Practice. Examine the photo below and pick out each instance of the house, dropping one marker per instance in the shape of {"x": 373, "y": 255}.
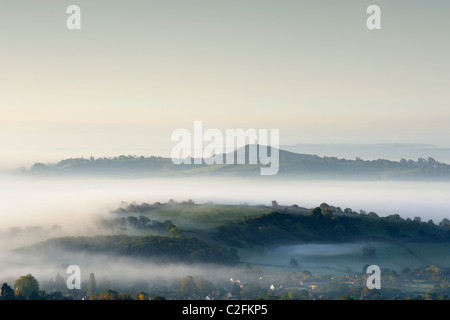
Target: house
{"x": 230, "y": 296}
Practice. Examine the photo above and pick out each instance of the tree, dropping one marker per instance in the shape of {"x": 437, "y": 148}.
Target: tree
{"x": 141, "y": 295}
{"x": 109, "y": 295}
{"x": 235, "y": 290}
{"x": 27, "y": 287}
{"x": 369, "y": 250}
{"x": 132, "y": 221}
{"x": 372, "y": 214}
{"x": 348, "y": 211}
{"x": 316, "y": 213}
{"x": 143, "y": 221}
{"x": 92, "y": 288}
{"x": 324, "y": 205}
{"x": 292, "y": 295}
{"x": 187, "y": 285}
{"x": 431, "y": 160}
{"x": 327, "y": 213}
{"x": 6, "y": 292}
{"x": 306, "y": 275}
{"x": 434, "y": 272}
{"x": 59, "y": 283}
{"x": 175, "y": 232}
{"x": 293, "y": 263}
{"x": 445, "y": 222}
{"x": 38, "y": 168}
{"x": 204, "y": 286}
{"x": 125, "y": 296}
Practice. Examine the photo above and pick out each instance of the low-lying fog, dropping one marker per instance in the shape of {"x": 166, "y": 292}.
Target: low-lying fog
{"x": 121, "y": 271}
{"x": 72, "y": 202}
{"x": 57, "y": 207}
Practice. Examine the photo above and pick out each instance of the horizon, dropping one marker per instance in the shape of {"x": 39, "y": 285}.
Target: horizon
{"x": 281, "y": 147}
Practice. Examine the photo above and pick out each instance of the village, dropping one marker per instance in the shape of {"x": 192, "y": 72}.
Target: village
{"x": 427, "y": 283}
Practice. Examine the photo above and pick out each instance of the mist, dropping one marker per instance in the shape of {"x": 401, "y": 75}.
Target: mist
{"x": 36, "y": 209}
{"x": 120, "y": 270}
{"x": 327, "y": 258}
{"x": 73, "y": 203}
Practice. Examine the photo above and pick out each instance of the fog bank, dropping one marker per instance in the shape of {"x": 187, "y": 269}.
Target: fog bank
{"x": 72, "y": 203}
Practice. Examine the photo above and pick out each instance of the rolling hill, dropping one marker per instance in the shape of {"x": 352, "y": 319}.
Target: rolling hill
{"x": 291, "y": 165}
{"x": 217, "y": 233}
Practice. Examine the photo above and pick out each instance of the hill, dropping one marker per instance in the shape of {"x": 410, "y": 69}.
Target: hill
{"x": 291, "y": 165}
{"x": 389, "y": 151}
{"x": 322, "y": 225}
{"x": 213, "y": 233}
{"x": 163, "y": 249}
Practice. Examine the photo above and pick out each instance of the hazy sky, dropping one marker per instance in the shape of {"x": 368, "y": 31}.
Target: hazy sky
{"x": 137, "y": 70}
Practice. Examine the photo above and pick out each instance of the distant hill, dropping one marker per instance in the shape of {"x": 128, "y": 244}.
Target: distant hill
{"x": 291, "y": 165}
{"x": 389, "y": 151}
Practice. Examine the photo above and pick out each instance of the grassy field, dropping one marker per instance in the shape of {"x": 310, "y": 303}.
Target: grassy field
{"x": 437, "y": 253}
{"x": 202, "y": 216}
{"x": 338, "y": 259}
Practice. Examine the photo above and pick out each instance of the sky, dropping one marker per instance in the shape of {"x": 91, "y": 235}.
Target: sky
{"x": 138, "y": 70}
